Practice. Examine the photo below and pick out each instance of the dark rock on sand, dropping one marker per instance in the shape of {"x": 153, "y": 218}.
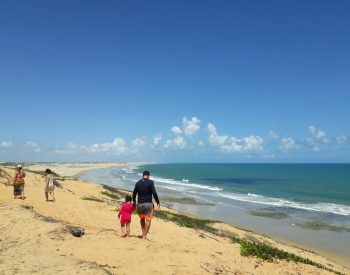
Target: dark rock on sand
{"x": 76, "y": 231}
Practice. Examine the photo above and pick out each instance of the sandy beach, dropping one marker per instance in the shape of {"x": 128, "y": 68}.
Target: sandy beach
{"x": 34, "y": 236}
{"x": 73, "y": 169}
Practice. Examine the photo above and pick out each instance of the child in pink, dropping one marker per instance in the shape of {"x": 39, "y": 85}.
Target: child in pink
{"x": 125, "y": 216}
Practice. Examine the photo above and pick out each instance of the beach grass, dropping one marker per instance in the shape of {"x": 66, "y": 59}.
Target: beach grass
{"x": 186, "y": 221}
{"x": 111, "y": 195}
{"x": 91, "y": 198}
{"x": 269, "y": 214}
{"x": 115, "y": 191}
{"x": 269, "y": 253}
{"x": 319, "y": 225}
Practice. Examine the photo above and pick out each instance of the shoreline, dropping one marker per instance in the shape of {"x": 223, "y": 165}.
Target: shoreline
{"x": 72, "y": 209}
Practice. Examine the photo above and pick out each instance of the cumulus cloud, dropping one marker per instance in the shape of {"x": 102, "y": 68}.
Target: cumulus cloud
{"x": 318, "y": 135}
{"x": 176, "y": 143}
{"x": 157, "y": 139}
{"x": 230, "y": 144}
{"x": 33, "y": 145}
{"x": 272, "y": 135}
{"x": 137, "y": 144}
{"x": 342, "y": 139}
{"x": 176, "y": 130}
{"x": 214, "y": 137}
{"x": 116, "y": 147}
{"x": 288, "y": 144}
{"x": 310, "y": 142}
{"x": 200, "y": 143}
{"x": 191, "y": 126}
{"x": 6, "y": 144}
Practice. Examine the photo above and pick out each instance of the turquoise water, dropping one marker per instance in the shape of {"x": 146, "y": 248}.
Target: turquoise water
{"x": 314, "y": 187}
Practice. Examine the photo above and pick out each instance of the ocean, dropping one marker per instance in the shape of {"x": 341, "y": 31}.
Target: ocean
{"x": 306, "y": 204}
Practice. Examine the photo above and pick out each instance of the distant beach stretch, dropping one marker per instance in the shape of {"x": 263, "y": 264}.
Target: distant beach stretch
{"x": 213, "y": 247}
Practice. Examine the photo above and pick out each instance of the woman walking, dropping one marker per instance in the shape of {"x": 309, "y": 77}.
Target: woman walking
{"x": 18, "y": 183}
{"x": 49, "y": 185}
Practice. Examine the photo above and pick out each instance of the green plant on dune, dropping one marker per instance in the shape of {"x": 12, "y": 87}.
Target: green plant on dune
{"x": 91, "y": 198}
{"x": 270, "y": 253}
{"x": 187, "y": 221}
{"x": 111, "y": 195}
{"x": 119, "y": 192}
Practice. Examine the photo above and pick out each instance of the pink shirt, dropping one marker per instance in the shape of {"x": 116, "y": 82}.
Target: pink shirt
{"x": 125, "y": 212}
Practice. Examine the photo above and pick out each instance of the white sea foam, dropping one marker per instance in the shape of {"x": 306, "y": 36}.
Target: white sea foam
{"x": 319, "y": 207}
{"x": 185, "y": 184}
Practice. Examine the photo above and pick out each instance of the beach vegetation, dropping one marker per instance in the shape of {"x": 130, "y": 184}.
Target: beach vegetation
{"x": 111, "y": 195}
{"x": 269, "y": 253}
{"x": 113, "y": 190}
{"x": 91, "y": 198}
{"x": 186, "y": 221}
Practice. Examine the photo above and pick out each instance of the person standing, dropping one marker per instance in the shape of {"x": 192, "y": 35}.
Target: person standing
{"x": 49, "y": 185}
{"x": 18, "y": 183}
{"x": 144, "y": 190}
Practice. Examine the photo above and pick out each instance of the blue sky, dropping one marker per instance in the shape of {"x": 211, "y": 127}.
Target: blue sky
{"x": 241, "y": 81}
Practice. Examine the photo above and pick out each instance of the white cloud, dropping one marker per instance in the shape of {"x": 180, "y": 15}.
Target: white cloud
{"x": 342, "y": 139}
{"x": 33, "y": 145}
{"x": 318, "y": 135}
{"x": 190, "y": 127}
{"x": 200, "y": 143}
{"x": 214, "y": 138}
{"x": 230, "y": 144}
{"x": 138, "y": 142}
{"x": 246, "y": 144}
{"x": 176, "y": 130}
{"x": 272, "y": 135}
{"x": 156, "y": 139}
{"x": 137, "y": 145}
{"x": 6, "y": 144}
{"x": 310, "y": 142}
{"x": 253, "y": 143}
{"x": 116, "y": 147}
{"x": 288, "y": 144}
{"x": 176, "y": 143}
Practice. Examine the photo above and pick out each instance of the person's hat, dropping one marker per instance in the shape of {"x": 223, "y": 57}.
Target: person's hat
{"x": 19, "y": 166}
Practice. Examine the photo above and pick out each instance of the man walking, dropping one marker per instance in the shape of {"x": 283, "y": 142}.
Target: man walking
{"x": 144, "y": 189}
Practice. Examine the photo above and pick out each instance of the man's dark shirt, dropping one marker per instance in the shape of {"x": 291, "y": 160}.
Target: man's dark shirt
{"x": 144, "y": 189}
